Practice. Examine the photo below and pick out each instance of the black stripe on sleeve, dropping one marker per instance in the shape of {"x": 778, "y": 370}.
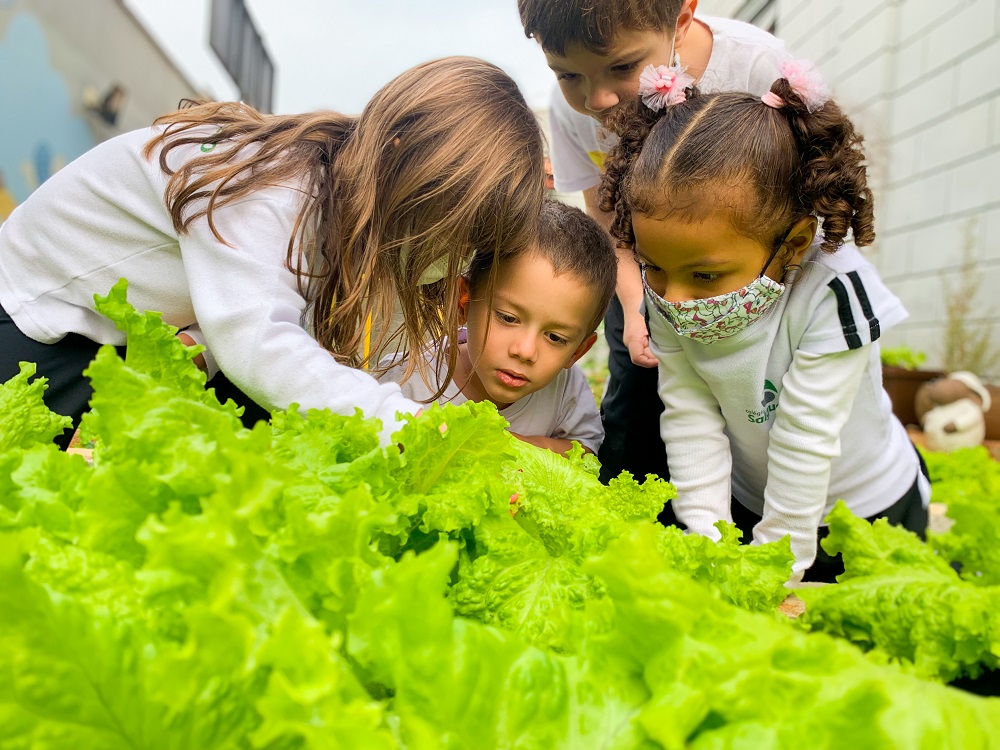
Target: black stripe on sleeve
{"x": 866, "y": 305}
{"x": 846, "y": 315}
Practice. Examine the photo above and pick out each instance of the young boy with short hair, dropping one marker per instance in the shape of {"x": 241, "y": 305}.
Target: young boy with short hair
{"x": 597, "y": 49}
{"x": 524, "y": 340}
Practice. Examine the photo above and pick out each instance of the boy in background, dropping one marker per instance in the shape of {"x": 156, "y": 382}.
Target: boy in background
{"x": 597, "y": 50}
{"x": 524, "y": 340}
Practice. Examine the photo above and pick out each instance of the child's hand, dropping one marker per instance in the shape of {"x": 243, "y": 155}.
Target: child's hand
{"x": 556, "y": 445}
{"x": 200, "y": 359}
{"x": 636, "y": 338}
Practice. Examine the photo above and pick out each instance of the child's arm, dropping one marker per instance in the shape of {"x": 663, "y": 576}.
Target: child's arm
{"x": 556, "y": 445}
{"x": 574, "y": 415}
{"x": 192, "y": 336}
{"x": 693, "y": 430}
{"x": 817, "y": 394}
{"x": 628, "y": 288}
{"x": 249, "y": 307}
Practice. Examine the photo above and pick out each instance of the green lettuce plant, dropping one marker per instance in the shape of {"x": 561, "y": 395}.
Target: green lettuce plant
{"x": 200, "y": 585}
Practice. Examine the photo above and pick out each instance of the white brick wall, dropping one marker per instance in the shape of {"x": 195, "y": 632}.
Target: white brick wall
{"x": 921, "y": 78}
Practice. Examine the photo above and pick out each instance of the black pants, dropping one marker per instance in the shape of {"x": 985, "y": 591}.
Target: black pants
{"x": 630, "y": 411}
{"x": 68, "y": 391}
{"x": 908, "y": 512}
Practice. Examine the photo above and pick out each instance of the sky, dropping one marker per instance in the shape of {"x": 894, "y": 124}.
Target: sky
{"x": 334, "y": 54}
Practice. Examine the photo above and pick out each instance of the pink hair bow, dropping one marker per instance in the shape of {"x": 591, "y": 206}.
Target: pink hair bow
{"x": 663, "y": 85}
{"x": 807, "y": 82}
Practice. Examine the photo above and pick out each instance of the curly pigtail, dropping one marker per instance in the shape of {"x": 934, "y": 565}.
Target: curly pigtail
{"x": 632, "y": 123}
{"x": 832, "y": 176}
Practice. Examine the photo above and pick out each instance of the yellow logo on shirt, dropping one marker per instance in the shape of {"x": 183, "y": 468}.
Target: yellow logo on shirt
{"x": 598, "y": 158}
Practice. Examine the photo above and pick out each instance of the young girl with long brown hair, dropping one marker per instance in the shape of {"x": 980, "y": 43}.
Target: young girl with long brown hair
{"x": 767, "y": 341}
{"x": 296, "y": 248}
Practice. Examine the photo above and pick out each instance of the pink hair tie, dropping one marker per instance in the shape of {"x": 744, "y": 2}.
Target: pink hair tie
{"x": 773, "y": 100}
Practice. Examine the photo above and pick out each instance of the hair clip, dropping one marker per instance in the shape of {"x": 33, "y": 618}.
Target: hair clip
{"x": 663, "y": 85}
{"x": 806, "y": 81}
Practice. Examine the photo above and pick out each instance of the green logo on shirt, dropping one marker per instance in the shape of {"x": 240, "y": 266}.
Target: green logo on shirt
{"x": 768, "y": 403}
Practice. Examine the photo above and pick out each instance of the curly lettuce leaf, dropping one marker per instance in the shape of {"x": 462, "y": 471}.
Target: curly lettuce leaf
{"x": 967, "y": 481}
{"x": 721, "y": 677}
{"x": 446, "y": 478}
{"x": 73, "y": 675}
{"x": 899, "y": 597}
{"x": 313, "y": 699}
{"x": 564, "y": 505}
{"x": 525, "y": 575}
{"x": 509, "y": 579}
{"x": 41, "y": 488}
{"x": 750, "y": 576}
{"x": 457, "y": 683}
{"x": 152, "y": 345}
{"x": 27, "y": 421}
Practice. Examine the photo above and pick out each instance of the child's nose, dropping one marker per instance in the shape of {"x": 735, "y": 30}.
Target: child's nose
{"x": 678, "y": 293}
{"x": 523, "y": 348}
{"x": 600, "y": 98}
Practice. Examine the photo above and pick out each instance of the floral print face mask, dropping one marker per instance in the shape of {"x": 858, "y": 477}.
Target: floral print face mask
{"x": 716, "y": 318}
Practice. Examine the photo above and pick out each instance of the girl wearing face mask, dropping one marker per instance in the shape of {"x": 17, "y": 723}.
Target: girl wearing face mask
{"x": 765, "y": 325}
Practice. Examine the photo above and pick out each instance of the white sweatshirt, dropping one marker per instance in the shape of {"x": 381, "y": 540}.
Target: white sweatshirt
{"x": 789, "y": 415}
{"x": 103, "y": 217}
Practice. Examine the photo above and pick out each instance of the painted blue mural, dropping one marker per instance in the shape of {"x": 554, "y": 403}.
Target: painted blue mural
{"x": 38, "y": 130}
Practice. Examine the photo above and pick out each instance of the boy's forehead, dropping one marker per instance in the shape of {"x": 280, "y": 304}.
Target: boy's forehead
{"x": 622, "y": 43}
{"x": 531, "y": 279}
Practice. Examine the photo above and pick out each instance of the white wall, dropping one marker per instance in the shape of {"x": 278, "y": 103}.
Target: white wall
{"x": 921, "y": 78}
{"x": 725, "y": 8}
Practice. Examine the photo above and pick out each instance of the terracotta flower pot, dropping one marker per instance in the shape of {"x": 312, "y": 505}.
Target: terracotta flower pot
{"x": 901, "y": 385}
{"x": 993, "y": 415}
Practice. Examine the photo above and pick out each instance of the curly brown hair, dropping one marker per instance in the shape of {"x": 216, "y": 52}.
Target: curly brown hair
{"x": 766, "y": 167}
{"x": 444, "y": 160}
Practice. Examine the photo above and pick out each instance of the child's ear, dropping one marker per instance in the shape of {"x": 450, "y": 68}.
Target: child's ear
{"x": 684, "y": 20}
{"x": 464, "y": 296}
{"x": 581, "y": 350}
{"x": 798, "y": 240}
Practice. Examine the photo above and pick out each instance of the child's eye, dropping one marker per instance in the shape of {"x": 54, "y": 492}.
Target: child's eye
{"x": 705, "y": 276}
{"x": 566, "y": 77}
{"x": 505, "y": 317}
{"x": 625, "y": 68}
{"x": 644, "y": 266}
{"x": 556, "y": 339}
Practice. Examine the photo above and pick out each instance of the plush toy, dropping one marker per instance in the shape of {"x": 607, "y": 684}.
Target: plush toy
{"x": 951, "y": 409}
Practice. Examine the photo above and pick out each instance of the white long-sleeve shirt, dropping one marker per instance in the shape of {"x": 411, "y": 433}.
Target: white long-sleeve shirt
{"x": 789, "y": 415}
{"x": 103, "y": 217}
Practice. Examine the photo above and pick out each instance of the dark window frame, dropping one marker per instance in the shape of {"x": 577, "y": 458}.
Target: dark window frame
{"x": 234, "y": 38}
